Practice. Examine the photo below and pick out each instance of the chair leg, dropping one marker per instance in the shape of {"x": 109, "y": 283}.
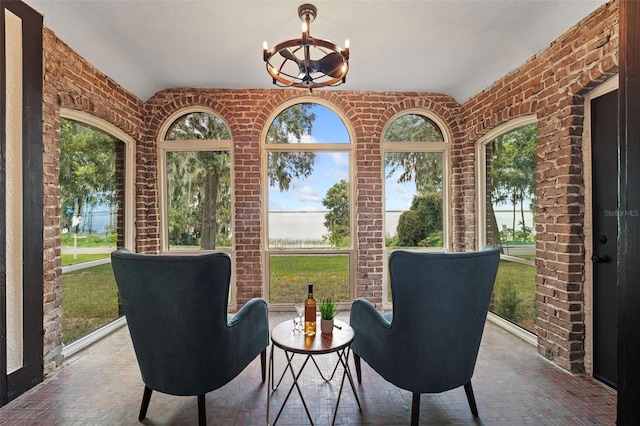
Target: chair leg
{"x": 415, "y": 409}
{"x": 202, "y": 411}
{"x": 472, "y": 400}
{"x": 263, "y": 364}
{"x": 357, "y": 362}
{"x": 146, "y": 397}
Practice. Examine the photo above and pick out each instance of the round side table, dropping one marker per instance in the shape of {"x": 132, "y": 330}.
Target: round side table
{"x": 292, "y": 343}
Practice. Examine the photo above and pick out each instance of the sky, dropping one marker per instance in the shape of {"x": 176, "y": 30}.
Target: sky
{"x": 329, "y": 169}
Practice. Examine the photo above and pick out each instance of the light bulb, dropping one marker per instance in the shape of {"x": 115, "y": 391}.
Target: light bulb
{"x": 265, "y": 46}
{"x": 346, "y": 44}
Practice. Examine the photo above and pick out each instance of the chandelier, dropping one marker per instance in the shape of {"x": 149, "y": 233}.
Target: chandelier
{"x": 307, "y": 62}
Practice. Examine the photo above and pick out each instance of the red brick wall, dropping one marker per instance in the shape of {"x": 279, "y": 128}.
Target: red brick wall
{"x": 552, "y": 85}
{"x": 71, "y": 82}
{"x": 248, "y": 111}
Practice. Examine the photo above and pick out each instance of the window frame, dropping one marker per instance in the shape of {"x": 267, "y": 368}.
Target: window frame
{"x": 481, "y": 179}
{"x": 350, "y": 149}
{"x": 129, "y": 211}
{"x": 166, "y": 145}
{"x": 129, "y": 166}
{"x": 481, "y": 209}
{"x": 443, "y": 147}
{"x": 193, "y": 145}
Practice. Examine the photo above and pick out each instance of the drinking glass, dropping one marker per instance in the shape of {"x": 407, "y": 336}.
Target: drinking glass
{"x": 300, "y": 309}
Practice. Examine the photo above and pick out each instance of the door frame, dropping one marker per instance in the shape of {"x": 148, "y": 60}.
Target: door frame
{"x": 606, "y": 87}
{"x": 30, "y": 372}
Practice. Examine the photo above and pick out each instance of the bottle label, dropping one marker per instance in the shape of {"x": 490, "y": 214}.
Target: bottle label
{"x": 310, "y": 313}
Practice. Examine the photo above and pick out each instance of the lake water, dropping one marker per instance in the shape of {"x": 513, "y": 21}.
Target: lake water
{"x": 309, "y": 225}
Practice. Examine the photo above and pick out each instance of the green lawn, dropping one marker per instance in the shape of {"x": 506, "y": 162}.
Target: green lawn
{"x": 514, "y": 295}
{"x": 89, "y": 301}
{"x": 289, "y": 276}
{"x": 88, "y": 240}
{"x": 67, "y": 259}
{"x": 526, "y": 256}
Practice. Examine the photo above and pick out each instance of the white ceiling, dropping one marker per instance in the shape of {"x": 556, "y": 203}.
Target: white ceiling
{"x": 457, "y": 47}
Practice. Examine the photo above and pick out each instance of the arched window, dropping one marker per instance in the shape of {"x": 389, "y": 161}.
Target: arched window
{"x": 195, "y": 162}
{"x": 507, "y": 203}
{"x": 308, "y": 186}
{"x": 96, "y": 217}
{"x": 415, "y": 149}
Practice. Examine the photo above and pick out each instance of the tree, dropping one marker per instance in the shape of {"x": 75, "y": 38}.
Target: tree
{"x": 423, "y": 167}
{"x": 410, "y": 229}
{"x": 511, "y": 173}
{"x": 336, "y": 220}
{"x": 289, "y": 127}
{"x": 196, "y": 179}
{"x": 421, "y": 225}
{"x": 413, "y": 128}
{"x": 424, "y": 218}
{"x": 199, "y": 181}
{"x": 87, "y": 170}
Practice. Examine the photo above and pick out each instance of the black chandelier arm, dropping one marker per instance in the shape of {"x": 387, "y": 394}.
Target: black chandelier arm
{"x": 297, "y": 82}
{"x": 280, "y": 82}
{"x": 284, "y": 79}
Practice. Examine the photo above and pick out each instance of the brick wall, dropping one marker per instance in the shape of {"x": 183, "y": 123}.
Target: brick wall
{"x": 551, "y": 85}
{"x": 248, "y": 113}
{"x": 70, "y": 82}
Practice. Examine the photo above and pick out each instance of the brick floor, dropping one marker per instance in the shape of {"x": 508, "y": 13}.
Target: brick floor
{"x": 513, "y": 385}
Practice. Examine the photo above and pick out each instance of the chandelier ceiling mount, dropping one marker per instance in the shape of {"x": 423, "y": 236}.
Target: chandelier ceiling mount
{"x": 307, "y": 62}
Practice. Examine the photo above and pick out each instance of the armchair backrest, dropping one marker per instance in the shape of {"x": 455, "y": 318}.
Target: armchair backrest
{"x": 440, "y": 304}
{"x": 176, "y": 310}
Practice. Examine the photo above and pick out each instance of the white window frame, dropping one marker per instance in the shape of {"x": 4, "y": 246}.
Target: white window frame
{"x": 481, "y": 169}
{"x": 129, "y": 210}
{"x": 165, "y": 146}
{"x": 129, "y": 166}
{"x": 349, "y": 148}
{"x": 481, "y": 151}
{"x": 444, "y": 148}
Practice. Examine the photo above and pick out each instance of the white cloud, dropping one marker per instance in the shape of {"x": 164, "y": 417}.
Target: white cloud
{"x": 340, "y": 169}
{"x": 341, "y": 160}
{"x": 308, "y": 139}
{"x": 399, "y": 188}
{"x": 336, "y": 175}
{"x": 306, "y": 193}
{"x": 304, "y": 139}
{"x": 277, "y": 207}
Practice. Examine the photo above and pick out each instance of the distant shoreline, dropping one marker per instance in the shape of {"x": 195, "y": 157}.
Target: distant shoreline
{"x": 309, "y": 225}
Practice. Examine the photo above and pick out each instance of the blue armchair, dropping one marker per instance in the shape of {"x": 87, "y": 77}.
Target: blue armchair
{"x": 429, "y": 343}
{"x": 185, "y": 341}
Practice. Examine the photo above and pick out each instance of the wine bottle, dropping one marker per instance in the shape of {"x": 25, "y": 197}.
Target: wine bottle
{"x": 310, "y": 314}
